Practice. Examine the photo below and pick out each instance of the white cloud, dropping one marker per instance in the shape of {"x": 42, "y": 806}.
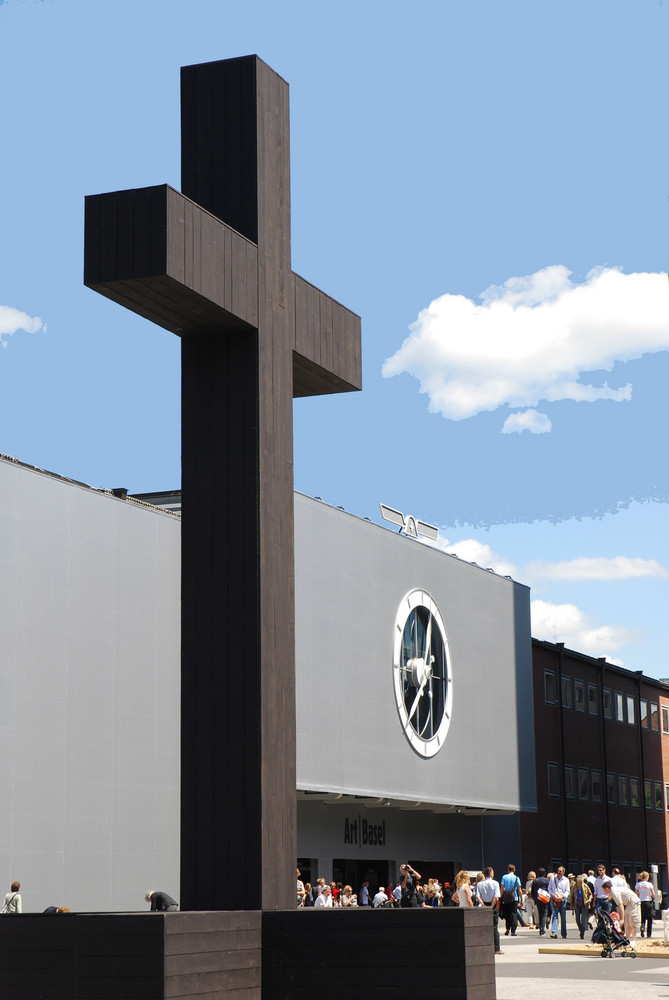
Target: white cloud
{"x": 532, "y": 338}
{"x": 471, "y": 550}
{"x": 601, "y": 568}
{"x": 12, "y": 320}
{"x": 567, "y": 623}
{"x": 527, "y": 420}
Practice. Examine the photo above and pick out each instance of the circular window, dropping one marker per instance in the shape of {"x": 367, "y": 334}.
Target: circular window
{"x": 422, "y": 673}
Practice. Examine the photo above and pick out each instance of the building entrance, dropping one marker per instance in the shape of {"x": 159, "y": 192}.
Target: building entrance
{"x": 355, "y": 872}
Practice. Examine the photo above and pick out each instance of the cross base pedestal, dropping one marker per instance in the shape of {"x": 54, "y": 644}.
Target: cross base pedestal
{"x": 446, "y": 954}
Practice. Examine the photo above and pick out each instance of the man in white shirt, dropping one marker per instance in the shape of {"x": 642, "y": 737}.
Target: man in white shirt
{"x": 602, "y": 900}
{"x": 363, "y": 895}
{"x": 618, "y": 880}
{"x": 489, "y": 894}
{"x": 558, "y": 889}
{"x": 628, "y": 903}
{"x": 379, "y": 898}
{"x": 324, "y": 898}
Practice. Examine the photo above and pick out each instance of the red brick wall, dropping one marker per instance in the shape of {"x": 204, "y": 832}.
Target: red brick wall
{"x": 579, "y": 829}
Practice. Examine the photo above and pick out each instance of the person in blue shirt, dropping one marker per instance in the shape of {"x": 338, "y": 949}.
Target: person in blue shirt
{"x": 510, "y": 888}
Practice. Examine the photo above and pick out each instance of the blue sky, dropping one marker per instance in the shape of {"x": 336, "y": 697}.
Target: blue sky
{"x": 441, "y": 151}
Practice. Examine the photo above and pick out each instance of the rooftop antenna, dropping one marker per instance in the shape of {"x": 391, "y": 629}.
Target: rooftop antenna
{"x": 411, "y": 526}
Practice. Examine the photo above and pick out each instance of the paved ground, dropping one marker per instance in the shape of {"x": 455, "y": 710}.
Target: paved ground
{"x": 524, "y": 974}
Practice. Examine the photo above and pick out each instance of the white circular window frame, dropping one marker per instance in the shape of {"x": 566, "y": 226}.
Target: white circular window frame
{"x": 415, "y": 599}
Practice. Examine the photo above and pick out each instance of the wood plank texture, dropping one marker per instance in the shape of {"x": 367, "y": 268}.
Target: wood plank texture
{"x": 213, "y": 265}
{"x": 245, "y": 954}
{"x": 162, "y": 256}
{"x": 388, "y": 953}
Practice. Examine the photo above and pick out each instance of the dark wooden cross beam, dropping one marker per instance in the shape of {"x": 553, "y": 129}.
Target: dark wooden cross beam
{"x": 213, "y": 265}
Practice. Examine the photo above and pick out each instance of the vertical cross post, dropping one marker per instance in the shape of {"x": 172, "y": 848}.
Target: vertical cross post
{"x": 213, "y": 266}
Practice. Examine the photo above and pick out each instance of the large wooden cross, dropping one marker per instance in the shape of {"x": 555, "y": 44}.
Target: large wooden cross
{"x": 213, "y": 265}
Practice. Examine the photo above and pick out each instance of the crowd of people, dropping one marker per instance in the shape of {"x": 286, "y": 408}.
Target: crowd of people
{"x": 408, "y": 890}
{"x": 541, "y": 903}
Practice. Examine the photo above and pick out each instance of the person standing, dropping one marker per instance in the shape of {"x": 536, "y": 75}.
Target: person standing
{"x": 380, "y": 898}
{"x": 618, "y": 881}
{"x": 510, "y": 888}
{"x": 645, "y": 890}
{"x": 324, "y": 898}
{"x": 13, "y": 902}
{"x": 541, "y": 898}
{"x": 463, "y": 893}
{"x": 489, "y": 894}
{"x": 409, "y": 879}
{"x": 602, "y": 899}
{"x": 363, "y": 895}
{"x": 300, "y": 889}
{"x": 558, "y": 890}
{"x": 580, "y": 898}
{"x": 530, "y": 905}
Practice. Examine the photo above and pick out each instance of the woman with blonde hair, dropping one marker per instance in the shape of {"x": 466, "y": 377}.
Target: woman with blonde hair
{"x": 580, "y": 897}
{"x": 463, "y": 893}
{"x": 348, "y": 897}
{"x": 530, "y": 906}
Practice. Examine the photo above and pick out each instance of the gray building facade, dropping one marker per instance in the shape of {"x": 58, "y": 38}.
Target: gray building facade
{"x": 413, "y": 672}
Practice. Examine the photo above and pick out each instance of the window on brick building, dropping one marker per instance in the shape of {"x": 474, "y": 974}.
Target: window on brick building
{"x": 643, "y": 713}
{"x": 566, "y": 692}
{"x": 569, "y": 788}
{"x": 549, "y": 687}
{"x": 623, "y": 790}
{"x": 607, "y": 703}
{"x": 659, "y": 798}
{"x": 664, "y": 711}
{"x": 610, "y": 787}
{"x": 634, "y": 793}
{"x": 579, "y": 696}
{"x": 631, "y": 710}
{"x": 596, "y": 785}
{"x": 583, "y": 783}
{"x": 620, "y": 707}
{"x": 593, "y": 699}
{"x": 666, "y": 796}
{"x": 648, "y": 794}
{"x": 553, "y": 781}
{"x": 654, "y": 717}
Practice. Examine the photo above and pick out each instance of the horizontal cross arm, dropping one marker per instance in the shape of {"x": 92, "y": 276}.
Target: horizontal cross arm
{"x": 159, "y": 254}
{"x": 327, "y": 354}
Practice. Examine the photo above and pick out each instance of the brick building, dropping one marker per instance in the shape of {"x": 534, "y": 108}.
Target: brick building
{"x": 602, "y": 766}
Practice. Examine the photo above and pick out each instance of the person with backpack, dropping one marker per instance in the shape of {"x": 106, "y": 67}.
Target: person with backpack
{"x": 511, "y": 897}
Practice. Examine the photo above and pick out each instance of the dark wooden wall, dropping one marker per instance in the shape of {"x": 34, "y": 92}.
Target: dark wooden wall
{"x": 237, "y": 447}
{"x": 296, "y": 955}
{"x": 213, "y": 265}
{"x": 443, "y": 954}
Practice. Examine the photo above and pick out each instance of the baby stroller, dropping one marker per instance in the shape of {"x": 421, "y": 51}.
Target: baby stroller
{"x": 608, "y": 934}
